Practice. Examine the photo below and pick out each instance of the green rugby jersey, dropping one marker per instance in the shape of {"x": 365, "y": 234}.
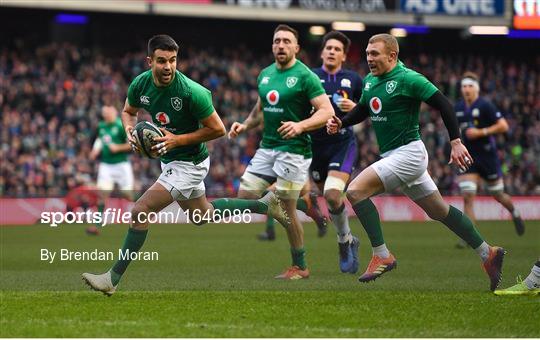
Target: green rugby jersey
{"x": 112, "y": 133}
{"x": 177, "y": 107}
{"x": 285, "y": 96}
{"x": 394, "y": 103}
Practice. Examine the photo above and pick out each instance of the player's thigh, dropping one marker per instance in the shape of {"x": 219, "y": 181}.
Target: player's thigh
{"x": 292, "y": 171}
{"x": 318, "y": 168}
{"x": 344, "y": 156}
{"x": 105, "y": 181}
{"x": 407, "y": 163}
{"x": 334, "y": 186}
{"x": 492, "y": 174}
{"x": 306, "y": 188}
{"x": 365, "y": 185}
{"x": 155, "y": 199}
{"x": 495, "y": 187}
{"x": 258, "y": 175}
{"x": 124, "y": 176}
{"x": 184, "y": 180}
{"x": 198, "y": 209}
{"x": 468, "y": 183}
{"x": 336, "y": 180}
{"x": 421, "y": 187}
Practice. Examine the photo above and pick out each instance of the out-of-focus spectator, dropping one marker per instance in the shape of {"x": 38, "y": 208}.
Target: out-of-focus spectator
{"x": 50, "y": 99}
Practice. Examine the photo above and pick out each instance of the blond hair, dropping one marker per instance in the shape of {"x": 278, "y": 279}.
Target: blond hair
{"x": 389, "y": 41}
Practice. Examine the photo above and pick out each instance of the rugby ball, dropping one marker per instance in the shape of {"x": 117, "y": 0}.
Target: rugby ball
{"x": 144, "y": 133}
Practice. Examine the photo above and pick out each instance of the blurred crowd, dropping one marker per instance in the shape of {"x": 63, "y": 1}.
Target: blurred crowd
{"x": 51, "y": 97}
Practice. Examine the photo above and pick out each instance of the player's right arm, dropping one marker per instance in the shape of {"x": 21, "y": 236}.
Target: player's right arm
{"x": 254, "y": 119}
{"x": 129, "y": 120}
{"x": 357, "y": 115}
{"x": 498, "y": 124}
{"x": 96, "y": 148}
{"x": 459, "y": 155}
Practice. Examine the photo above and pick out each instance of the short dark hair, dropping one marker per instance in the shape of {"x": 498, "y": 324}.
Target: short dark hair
{"x": 283, "y": 27}
{"x": 161, "y": 42}
{"x": 342, "y": 38}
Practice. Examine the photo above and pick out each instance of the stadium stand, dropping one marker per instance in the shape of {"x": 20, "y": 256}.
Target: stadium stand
{"x": 51, "y": 96}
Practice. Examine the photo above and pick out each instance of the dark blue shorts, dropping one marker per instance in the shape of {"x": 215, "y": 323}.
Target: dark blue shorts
{"x": 341, "y": 156}
{"x": 486, "y": 165}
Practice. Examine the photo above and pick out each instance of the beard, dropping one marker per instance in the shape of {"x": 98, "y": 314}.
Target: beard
{"x": 283, "y": 59}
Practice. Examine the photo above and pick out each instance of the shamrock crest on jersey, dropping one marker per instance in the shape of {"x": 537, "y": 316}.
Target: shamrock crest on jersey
{"x": 291, "y": 81}
{"x": 176, "y": 103}
{"x": 391, "y": 86}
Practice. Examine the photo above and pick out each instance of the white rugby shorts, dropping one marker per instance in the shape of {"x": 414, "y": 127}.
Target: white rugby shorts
{"x": 184, "y": 180}
{"x": 406, "y": 167}
{"x": 110, "y": 174}
{"x": 289, "y": 166}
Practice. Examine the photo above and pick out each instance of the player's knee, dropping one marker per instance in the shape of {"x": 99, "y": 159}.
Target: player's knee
{"x": 333, "y": 198}
{"x": 139, "y": 214}
{"x": 252, "y": 185}
{"x": 468, "y": 198}
{"x": 437, "y": 213}
{"x": 355, "y": 195}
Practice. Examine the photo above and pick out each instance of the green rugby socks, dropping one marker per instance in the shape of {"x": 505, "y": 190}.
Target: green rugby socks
{"x": 133, "y": 242}
{"x": 299, "y": 258}
{"x": 301, "y": 204}
{"x": 369, "y": 217}
{"x": 224, "y": 207}
{"x": 463, "y": 227}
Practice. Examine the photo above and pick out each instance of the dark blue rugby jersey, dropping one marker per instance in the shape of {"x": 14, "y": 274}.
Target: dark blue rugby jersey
{"x": 480, "y": 114}
{"x": 343, "y": 84}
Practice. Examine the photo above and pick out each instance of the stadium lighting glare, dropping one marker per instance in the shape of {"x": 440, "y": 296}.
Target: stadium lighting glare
{"x": 488, "y": 30}
{"x": 348, "y": 26}
{"x": 398, "y": 32}
{"x": 317, "y": 30}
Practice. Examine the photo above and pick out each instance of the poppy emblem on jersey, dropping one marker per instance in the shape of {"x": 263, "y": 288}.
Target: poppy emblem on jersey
{"x": 375, "y": 104}
{"x": 272, "y": 97}
{"x": 291, "y": 81}
{"x": 391, "y": 86}
{"x": 176, "y": 103}
{"x": 346, "y": 83}
{"x": 163, "y": 118}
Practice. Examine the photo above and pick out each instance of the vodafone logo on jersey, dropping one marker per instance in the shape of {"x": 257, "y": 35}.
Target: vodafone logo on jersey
{"x": 375, "y": 104}
{"x": 272, "y": 97}
{"x": 163, "y": 118}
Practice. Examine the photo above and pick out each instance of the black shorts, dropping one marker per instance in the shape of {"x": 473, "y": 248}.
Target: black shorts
{"x": 341, "y": 156}
{"x": 486, "y": 165}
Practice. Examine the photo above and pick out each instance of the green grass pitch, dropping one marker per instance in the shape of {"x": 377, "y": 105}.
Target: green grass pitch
{"x": 217, "y": 281}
